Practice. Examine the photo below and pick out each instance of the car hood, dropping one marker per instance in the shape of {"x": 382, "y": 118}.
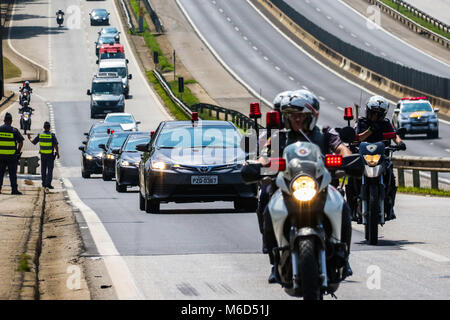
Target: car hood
{"x": 127, "y": 126}
{"x": 417, "y": 114}
{"x": 200, "y": 156}
{"x": 106, "y": 97}
{"x": 131, "y": 156}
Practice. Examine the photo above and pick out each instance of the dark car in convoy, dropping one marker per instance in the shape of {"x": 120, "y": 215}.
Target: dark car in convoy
{"x": 128, "y": 158}
{"x": 102, "y": 128}
{"x": 193, "y": 161}
{"x": 91, "y": 155}
{"x": 114, "y": 142}
{"x": 99, "y": 16}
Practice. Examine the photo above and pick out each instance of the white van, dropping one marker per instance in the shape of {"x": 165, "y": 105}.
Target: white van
{"x": 120, "y": 67}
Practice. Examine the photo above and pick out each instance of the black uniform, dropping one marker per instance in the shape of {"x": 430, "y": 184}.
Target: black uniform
{"x": 383, "y": 126}
{"x": 47, "y": 141}
{"x": 9, "y": 139}
{"x": 328, "y": 140}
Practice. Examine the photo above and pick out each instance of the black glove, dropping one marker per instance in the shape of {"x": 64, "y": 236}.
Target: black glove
{"x": 402, "y": 146}
{"x": 18, "y": 155}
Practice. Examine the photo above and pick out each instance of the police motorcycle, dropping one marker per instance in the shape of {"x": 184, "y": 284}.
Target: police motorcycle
{"x": 25, "y": 95}
{"x": 306, "y": 212}
{"x": 25, "y": 118}
{"x": 59, "y": 18}
{"x": 372, "y": 209}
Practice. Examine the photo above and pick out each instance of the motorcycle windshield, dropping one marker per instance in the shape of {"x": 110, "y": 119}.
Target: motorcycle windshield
{"x": 303, "y": 158}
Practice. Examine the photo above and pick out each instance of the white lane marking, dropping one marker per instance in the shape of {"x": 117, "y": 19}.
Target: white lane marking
{"x": 318, "y": 9}
{"x": 392, "y": 35}
{"x": 315, "y": 60}
{"x": 328, "y": 17}
{"x": 277, "y": 68}
{"x": 353, "y": 35}
{"x": 305, "y": 87}
{"x": 340, "y": 108}
{"x": 220, "y": 10}
{"x": 291, "y": 78}
{"x": 21, "y": 55}
{"x": 341, "y": 26}
{"x": 265, "y": 58}
{"x": 322, "y": 98}
{"x": 255, "y": 48}
{"x": 228, "y": 19}
{"x": 430, "y": 255}
{"x": 448, "y": 150}
{"x": 236, "y": 28}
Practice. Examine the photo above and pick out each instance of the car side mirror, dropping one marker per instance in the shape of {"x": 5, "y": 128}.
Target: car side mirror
{"x": 143, "y": 147}
{"x": 102, "y": 146}
{"x": 81, "y": 148}
{"x": 347, "y": 134}
{"x": 127, "y": 60}
{"x": 86, "y": 134}
{"x": 138, "y": 122}
{"x": 353, "y": 165}
{"x": 88, "y": 92}
{"x": 130, "y": 76}
{"x": 96, "y": 62}
{"x": 396, "y": 110}
{"x": 115, "y": 151}
{"x": 436, "y": 109}
{"x": 84, "y": 142}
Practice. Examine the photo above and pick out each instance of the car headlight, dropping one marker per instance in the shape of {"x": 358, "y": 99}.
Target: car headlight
{"x": 124, "y": 86}
{"x": 304, "y": 188}
{"x": 159, "y": 165}
{"x": 372, "y": 160}
{"x": 125, "y": 163}
{"x": 110, "y": 156}
{"x": 89, "y": 157}
{"x": 137, "y": 163}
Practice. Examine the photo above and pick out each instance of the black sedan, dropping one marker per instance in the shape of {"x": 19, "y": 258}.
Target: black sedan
{"x": 103, "y": 128}
{"x": 91, "y": 156}
{"x": 196, "y": 161}
{"x": 115, "y": 142}
{"x": 128, "y": 158}
{"x": 99, "y": 16}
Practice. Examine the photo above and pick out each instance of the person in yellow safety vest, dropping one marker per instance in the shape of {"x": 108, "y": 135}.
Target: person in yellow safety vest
{"x": 47, "y": 143}
{"x": 11, "y": 143}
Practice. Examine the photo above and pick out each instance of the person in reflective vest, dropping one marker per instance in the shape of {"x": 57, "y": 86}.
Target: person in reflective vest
{"x": 11, "y": 143}
{"x": 47, "y": 145}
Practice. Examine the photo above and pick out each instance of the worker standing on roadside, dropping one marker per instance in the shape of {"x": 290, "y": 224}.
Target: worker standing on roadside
{"x": 48, "y": 143}
{"x": 11, "y": 143}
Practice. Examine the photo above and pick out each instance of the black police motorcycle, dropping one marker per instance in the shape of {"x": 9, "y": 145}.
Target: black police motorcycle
{"x": 25, "y": 95}
{"x": 25, "y": 119}
{"x": 59, "y": 19}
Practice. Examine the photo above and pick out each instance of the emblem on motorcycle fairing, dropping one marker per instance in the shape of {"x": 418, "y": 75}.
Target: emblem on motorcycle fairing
{"x": 371, "y": 147}
{"x": 303, "y": 152}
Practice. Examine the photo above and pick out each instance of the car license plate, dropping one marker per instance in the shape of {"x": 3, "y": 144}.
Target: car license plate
{"x": 204, "y": 180}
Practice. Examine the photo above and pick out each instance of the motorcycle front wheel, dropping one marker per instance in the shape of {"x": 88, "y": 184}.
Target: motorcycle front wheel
{"x": 309, "y": 269}
{"x": 371, "y": 227}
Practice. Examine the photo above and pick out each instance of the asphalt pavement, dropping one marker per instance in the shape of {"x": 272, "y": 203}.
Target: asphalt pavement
{"x": 209, "y": 251}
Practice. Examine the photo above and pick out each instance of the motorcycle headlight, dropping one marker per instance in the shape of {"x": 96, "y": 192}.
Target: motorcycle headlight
{"x": 304, "y": 188}
{"x": 372, "y": 160}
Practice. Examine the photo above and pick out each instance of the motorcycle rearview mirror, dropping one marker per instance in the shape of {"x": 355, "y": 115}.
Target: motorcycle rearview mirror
{"x": 347, "y": 134}
{"x": 130, "y": 76}
{"x": 353, "y": 165}
{"x": 88, "y": 92}
{"x": 143, "y": 147}
{"x": 138, "y": 122}
{"x": 84, "y": 142}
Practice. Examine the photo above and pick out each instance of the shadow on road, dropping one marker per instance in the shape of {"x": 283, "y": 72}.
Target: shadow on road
{"x": 26, "y": 32}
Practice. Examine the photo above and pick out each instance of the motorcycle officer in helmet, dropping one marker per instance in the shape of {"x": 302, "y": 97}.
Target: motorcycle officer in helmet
{"x": 370, "y": 129}
{"x": 300, "y": 112}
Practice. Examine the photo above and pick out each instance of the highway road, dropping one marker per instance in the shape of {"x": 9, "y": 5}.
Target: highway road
{"x": 207, "y": 251}
{"x": 347, "y": 24}
{"x": 265, "y": 60}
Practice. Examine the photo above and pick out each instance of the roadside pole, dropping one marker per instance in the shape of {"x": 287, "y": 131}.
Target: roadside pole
{"x": 2, "y": 87}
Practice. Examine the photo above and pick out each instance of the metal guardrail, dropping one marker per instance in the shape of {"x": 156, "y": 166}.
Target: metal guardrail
{"x": 414, "y": 25}
{"x": 127, "y": 13}
{"x": 433, "y": 165}
{"x": 154, "y": 16}
{"x": 240, "y": 119}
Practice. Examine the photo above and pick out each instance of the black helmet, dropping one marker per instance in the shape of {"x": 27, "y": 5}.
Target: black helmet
{"x": 377, "y": 105}
{"x": 46, "y": 125}
{"x": 25, "y": 104}
{"x": 8, "y": 117}
{"x": 302, "y": 101}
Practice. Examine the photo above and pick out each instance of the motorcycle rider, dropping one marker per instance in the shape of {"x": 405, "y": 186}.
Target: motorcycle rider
{"x": 370, "y": 129}
{"x": 25, "y": 108}
{"x": 60, "y": 12}
{"x": 26, "y": 85}
{"x": 300, "y": 112}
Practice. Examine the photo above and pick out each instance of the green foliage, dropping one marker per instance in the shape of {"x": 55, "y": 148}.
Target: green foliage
{"x": 23, "y": 263}
{"x": 10, "y": 69}
{"x": 424, "y": 191}
{"x": 412, "y": 16}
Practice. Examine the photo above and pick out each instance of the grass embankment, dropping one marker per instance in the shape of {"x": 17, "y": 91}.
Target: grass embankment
{"x": 424, "y": 191}
{"x": 412, "y": 16}
{"x": 10, "y": 70}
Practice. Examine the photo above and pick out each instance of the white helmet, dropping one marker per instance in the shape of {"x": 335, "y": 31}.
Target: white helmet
{"x": 279, "y": 97}
{"x": 302, "y": 101}
{"x": 377, "y": 105}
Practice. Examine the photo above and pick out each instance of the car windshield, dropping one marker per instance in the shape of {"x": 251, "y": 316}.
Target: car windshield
{"x": 99, "y": 12}
{"x": 95, "y": 141}
{"x": 114, "y": 88}
{"x": 201, "y": 137}
{"x": 120, "y": 119}
{"x": 106, "y": 39}
{"x": 122, "y": 72}
{"x": 116, "y": 141}
{"x": 112, "y": 55}
{"x": 109, "y": 30}
{"x": 131, "y": 144}
{"x": 104, "y": 129}
{"x": 414, "y": 107}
